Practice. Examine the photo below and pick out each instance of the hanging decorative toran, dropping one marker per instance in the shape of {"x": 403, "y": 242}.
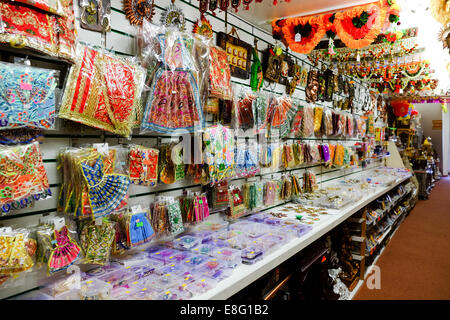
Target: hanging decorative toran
{"x": 356, "y": 27}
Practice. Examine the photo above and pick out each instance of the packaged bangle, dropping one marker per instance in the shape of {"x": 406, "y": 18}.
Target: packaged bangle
{"x": 96, "y": 241}
{"x": 110, "y": 88}
{"x": 308, "y": 121}
{"x": 143, "y": 165}
{"x": 318, "y": 113}
{"x": 26, "y": 181}
{"x": 27, "y": 96}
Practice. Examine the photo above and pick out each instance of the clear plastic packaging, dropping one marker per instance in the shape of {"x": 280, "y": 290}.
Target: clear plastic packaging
{"x": 95, "y": 289}
{"x": 246, "y": 159}
{"x": 230, "y": 257}
{"x": 174, "y": 101}
{"x": 214, "y": 269}
{"x": 179, "y": 257}
{"x": 22, "y": 188}
{"x": 194, "y": 262}
{"x": 96, "y": 242}
{"x": 308, "y": 122}
{"x": 119, "y": 277}
{"x": 16, "y": 251}
{"x": 318, "y": 113}
{"x": 244, "y": 110}
{"x": 252, "y": 254}
{"x": 253, "y": 230}
{"x": 143, "y": 165}
{"x": 271, "y": 242}
{"x": 27, "y": 96}
{"x": 110, "y": 87}
{"x": 206, "y": 249}
{"x": 327, "y": 122}
{"x": 201, "y": 286}
{"x": 178, "y": 268}
{"x": 350, "y": 122}
{"x": 186, "y": 242}
{"x": 163, "y": 254}
{"x": 219, "y": 74}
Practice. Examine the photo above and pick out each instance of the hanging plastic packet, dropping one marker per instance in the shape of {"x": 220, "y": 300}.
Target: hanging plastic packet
{"x": 27, "y": 96}
{"x": 219, "y": 74}
{"x": 16, "y": 251}
{"x": 327, "y": 122}
{"x": 288, "y": 159}
{"x": 171, "y": 166}
{"x": 315, "y": 153}
{"x": 110, "y": 88}
{"x": 296, "y": 186}
{"x": 265, "y": 155}
{"x": 308, "y": 122}
{"x": 237, "y": 206}
{"x": 24, "y": 179}
{"x": 296, "y": 125}
{"x": 96, "y": 240}
{"x": 280, "y": 113}
{"x": 309, "y": 182}
{"x": 259, "y": 106}
{"x": 219, "y": 153}
{"x": 270, "y": 193}
{"x": 143, "y": 165}
{"x": 244, "y": 110}
{"x": 350, "y": 120}
{"x": 326, "y": 154}
{"x": 318, "y": 113}
{"x": 339, "y": 154}
{"x": 246, "y": 160}
{"x": 174, "y": 101}
{"x": 202, "y": 59}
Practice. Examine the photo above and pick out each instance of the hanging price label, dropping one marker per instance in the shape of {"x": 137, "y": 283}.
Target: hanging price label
{"x": 298, "y": 37}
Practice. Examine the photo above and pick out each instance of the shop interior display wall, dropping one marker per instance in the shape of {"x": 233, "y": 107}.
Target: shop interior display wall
{"x": 121, "y": 40}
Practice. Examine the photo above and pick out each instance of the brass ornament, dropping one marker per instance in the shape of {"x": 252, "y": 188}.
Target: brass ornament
{"x": 138, "y": 10}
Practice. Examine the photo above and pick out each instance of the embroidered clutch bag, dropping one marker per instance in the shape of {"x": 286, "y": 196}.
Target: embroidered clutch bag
{"x": 103, "y": 91}
{"x": 27, "y": 96}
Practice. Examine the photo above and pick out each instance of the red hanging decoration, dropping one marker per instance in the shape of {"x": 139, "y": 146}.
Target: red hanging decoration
{"x": 224, "y": 4}
{"x": 203, "y": 6}
{"x": 247, "y": 4}
{"x": 235, "y": 4}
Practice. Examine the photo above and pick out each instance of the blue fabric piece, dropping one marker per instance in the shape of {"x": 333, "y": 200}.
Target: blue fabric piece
{"x": 140, "y": 229}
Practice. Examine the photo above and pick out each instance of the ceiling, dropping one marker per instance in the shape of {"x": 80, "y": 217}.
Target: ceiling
{"x": 261, "y": 14}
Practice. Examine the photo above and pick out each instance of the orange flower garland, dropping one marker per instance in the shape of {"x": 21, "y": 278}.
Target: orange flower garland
{"x": 357, "y": 38}
{"x": 319, "y": 26}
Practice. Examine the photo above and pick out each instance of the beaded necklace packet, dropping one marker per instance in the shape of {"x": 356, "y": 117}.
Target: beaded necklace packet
{"x": 280, "y": 113}
{"x": 23, "y": 179}
{"x": 27, "y": 96}
{"x": 298, "y": 151}
{"x": 143, "y": 165}
{"x": 103, "y": 91}
{"x": 174, "y": 102}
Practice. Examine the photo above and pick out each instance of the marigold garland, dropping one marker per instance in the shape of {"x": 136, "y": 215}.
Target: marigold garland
{"x": 357, "y": 38}
{"x": 319, "y": 26}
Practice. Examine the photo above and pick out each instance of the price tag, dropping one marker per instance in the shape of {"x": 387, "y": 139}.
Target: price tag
{"x": 139, "y": 224}
{"x": 298, "y": 37}
{"x": 59, "y": 223}
{"x": 102, "y": 148}
{"x": 6, "y": 230}
{"x": 136, "y": 209}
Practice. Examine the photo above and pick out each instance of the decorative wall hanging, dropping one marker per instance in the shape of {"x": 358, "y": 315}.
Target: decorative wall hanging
{"x": 203, "y": 27}
{"x": 203, "y": 6}
{"x": 272, "y": 65}
{"x": 103, "y": 91}
{"x": 235, "y": 4}
{"x": 224, "y": 4}
{"x": 173, "y": 17}
{"x": 444, "y": 37}
{"x": 238, "y": 52}
{"x": 138, "y": 10}
{"x": 213, "y": 6}
{"x": 247, "y": 4}
{"x": 95, "y": 15}
{"x": 286, "y": 69}
{"x": 303, "y": 34}
{"x": 27, "y": 96}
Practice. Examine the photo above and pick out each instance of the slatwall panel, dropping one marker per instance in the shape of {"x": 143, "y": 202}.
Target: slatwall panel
{"x": 121, "y": 40}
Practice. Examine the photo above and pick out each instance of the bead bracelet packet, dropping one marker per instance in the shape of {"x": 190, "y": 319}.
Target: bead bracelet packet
{"x": 27, "y": 96}
{"x": 23, "y": 178}
{"x": 103, "y": 91}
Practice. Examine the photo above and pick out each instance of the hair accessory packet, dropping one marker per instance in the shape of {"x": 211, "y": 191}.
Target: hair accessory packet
{"x": 23, "y": 179}
{"x": 174, "y": 101}
{"x": 27, "y": 96}
{"x": 103, "y": 91}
